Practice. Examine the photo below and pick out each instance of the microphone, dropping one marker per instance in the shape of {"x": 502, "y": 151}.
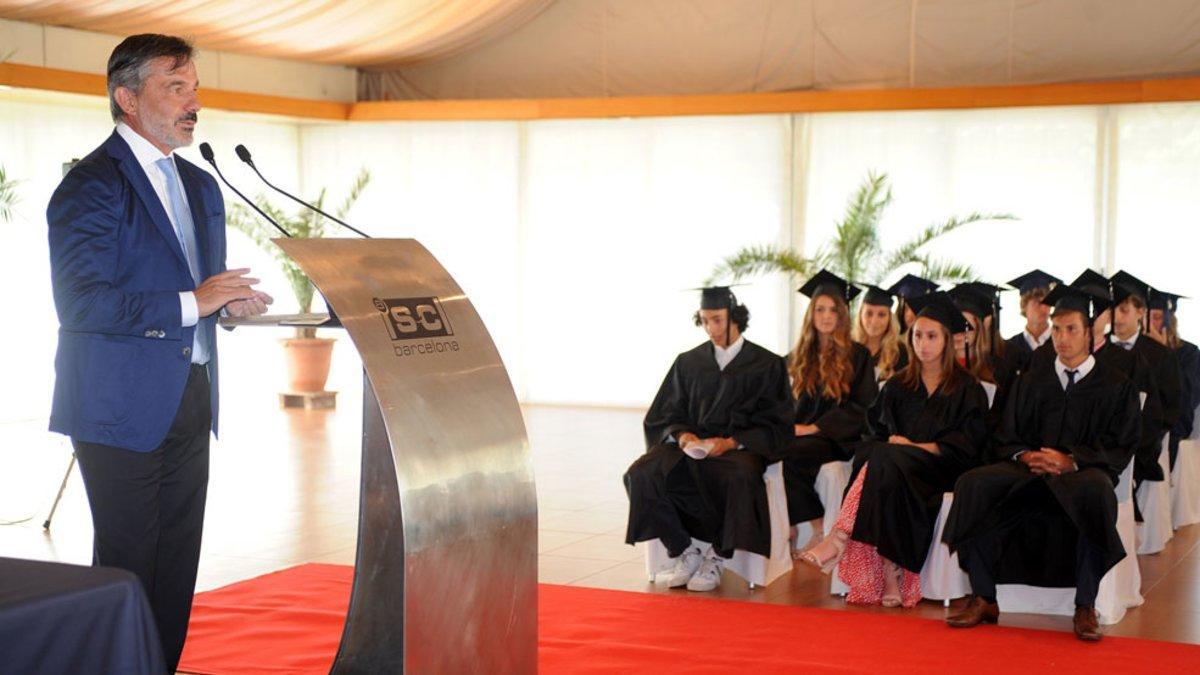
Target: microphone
{"x": 207, "y": 153}
{"x": 244, "y": 155}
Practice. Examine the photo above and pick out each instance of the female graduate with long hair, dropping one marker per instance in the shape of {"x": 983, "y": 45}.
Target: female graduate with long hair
{"x": 925, "y": 429}
{"x": 878, "y": 330}
{"x": 833, "y": 383}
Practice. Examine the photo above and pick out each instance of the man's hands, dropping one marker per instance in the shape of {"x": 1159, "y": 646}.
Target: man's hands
{"x": 1048, "y": 462}
{"x": 719, "y": 446}
{"x": 229, "y": 286}
{"x": 806, "y": 429}
{"x": 252, "y": 307}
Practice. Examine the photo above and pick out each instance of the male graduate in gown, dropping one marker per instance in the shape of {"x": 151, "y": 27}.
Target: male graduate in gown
{"x": 1130, "y": 296}
{"x": 1033, "y": 287}
{"x": 1046, "y": 513}
{"x": 723, "y": 407}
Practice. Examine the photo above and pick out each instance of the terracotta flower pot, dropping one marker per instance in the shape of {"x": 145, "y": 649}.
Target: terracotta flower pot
{"x": 307, "y": 362}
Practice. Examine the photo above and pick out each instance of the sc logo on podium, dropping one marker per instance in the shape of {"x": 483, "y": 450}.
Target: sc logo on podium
{"x": 414, "y": 318}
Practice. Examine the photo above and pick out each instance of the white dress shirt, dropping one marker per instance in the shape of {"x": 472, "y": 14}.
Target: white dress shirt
{"x": 1036, "y": 341}
{"x": 147, "y": 155}
{"x": 1081, "y": 371}
{"x": 1122, "y": 343}
{"x": 725, "y": 355}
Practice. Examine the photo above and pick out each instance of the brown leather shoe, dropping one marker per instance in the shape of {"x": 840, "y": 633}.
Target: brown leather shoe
{"x": 1087, "y": 624}
{"x": 977, "y": 611}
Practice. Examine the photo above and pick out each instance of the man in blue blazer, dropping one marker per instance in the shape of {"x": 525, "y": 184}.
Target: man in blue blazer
{"x": 137, "y": 253}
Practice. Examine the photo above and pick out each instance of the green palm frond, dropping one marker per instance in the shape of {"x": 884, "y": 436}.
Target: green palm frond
{"x": 755, "y": 260}
{"x": 945, "y": 270}
{"x": 909, "y": 251}
{"x": 8, "y": 196}
{"x": 856, "y": 238}
{"x": 303, "y": 223}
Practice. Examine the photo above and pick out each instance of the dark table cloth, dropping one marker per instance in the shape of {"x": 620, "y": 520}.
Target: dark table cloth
{"x": 57, "y": 618}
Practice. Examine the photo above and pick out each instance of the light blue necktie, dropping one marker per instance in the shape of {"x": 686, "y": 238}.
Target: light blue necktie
{"x": 185, "y": 230}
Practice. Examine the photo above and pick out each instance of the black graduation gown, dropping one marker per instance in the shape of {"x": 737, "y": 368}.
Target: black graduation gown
{"x": 1097, "y": 423}
{"x": 901, "y": 360}
{"x": 1188, "y": 356}
{"x": 1165, "y": 366}
{"x": 1134, "y": 366}
{"x": 1021, "y": 352}
{"x": 903, "y": 488}
{"x": 840, "y": 427}
{"x": 723, "y": 499}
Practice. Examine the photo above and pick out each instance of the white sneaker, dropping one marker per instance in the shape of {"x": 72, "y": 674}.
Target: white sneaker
{"x": 685, "y": 567}
{"x": 708, "y": 577}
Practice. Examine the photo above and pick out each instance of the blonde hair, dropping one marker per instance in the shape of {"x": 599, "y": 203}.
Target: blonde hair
{"x": 829, "y": 374}
{"x": 889, "y": 345}
{"x": 980, "y": 346}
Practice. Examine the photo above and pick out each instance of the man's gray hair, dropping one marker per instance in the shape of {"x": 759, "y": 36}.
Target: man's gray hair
{"x": 129, "y": 63}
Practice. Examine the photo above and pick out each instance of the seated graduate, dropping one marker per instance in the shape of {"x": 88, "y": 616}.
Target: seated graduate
{"x": 908, "y": 288}
{"x": 985, "y": 355}
{"x": 1046, "y": 513}
{"x": 833, "y": 384}
{"x": 723, "y": 407}
{"x": 1164, "y": 328}
{"x": 1033, "y": 287}
{"x": 878, "y": 330}
{"x": 1129, "y": 319}
{"x": 925, "y": 429}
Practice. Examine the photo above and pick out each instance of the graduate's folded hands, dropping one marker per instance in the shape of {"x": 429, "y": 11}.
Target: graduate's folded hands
{"x": 1048, "y": 461}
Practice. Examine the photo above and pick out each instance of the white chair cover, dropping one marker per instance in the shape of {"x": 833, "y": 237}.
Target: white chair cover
{"x": 831, "y": 484}
{"x": 754, "y": 568}
{"x": 941, "y": 577}
{"x": 1154, "y": 500}
{"x": 1185, "y": 480}
{"x": 1120, "y": 589}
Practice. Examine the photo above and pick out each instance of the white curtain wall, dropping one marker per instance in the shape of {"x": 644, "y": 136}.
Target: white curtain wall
{"x": 576, "y": 240}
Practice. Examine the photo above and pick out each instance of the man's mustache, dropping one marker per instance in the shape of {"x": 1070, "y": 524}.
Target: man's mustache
{"x": 190, "y": 117}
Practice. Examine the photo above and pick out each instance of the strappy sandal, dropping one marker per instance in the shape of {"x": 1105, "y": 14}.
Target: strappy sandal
{"x": 826, "y": 555}
{"x": 892, "y": 600}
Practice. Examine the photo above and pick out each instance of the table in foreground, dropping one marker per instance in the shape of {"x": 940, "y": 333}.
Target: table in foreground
{"x": 57, "y": 618}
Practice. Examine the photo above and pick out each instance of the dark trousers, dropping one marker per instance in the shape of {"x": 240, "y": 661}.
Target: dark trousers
{"x": 148, "y": 511}
{"x": 984, "y": 550}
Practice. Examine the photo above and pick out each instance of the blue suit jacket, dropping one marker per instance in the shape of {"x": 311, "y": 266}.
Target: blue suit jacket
{"x": 117, "y": 270}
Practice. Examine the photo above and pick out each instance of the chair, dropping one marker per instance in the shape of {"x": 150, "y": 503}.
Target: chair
{"x": 1154, "y": 500}
{"x": 1185, "y": 482}
{"x": 1120, "y": 589}
{"x": 941, "y": 577}
{"x": 757, "y": 570}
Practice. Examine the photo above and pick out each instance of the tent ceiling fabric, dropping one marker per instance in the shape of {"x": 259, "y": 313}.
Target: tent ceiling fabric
{"x": 344, "y": 32}
{"x": 600, "y": 48}
{"x": 464, "y": 49}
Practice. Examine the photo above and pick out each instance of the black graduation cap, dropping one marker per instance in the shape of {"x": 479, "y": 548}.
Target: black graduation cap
{"x": 912, "y": 286}
{"x": 940, "y": 307}
{"x": 1164, "y": 301}
{"x": 1093, "y": 282}
{"x": 1070, "y": 298}
{"x": 970, "y": 298}
{"x": 828, "y": 283}
{"x": 717, "y": 297}
{"x": 1125, "y": 285}
{"x": 1033, "y": 280}
{"x": 877, "y": 296}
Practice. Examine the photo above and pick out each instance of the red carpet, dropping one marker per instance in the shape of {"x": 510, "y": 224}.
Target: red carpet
{"x": 290, "y": 622}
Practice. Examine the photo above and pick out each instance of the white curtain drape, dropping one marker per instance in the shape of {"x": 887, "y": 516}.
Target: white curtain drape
{"x": 577, "y": 239}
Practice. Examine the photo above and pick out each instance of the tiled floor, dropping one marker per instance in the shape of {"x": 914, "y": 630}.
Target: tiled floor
{"x": 284, "y": 490}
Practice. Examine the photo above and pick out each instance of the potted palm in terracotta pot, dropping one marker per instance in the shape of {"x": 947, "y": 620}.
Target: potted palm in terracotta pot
{"x": 307, "y": 356}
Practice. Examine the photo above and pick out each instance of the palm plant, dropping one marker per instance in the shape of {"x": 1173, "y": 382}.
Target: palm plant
{"x": 304, "y": 223}
{"x": 854, "y": 252}
{"x": 8, "y": 196}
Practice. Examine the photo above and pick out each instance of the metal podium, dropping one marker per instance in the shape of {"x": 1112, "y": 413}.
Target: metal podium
{"x": 445, "y": 579}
